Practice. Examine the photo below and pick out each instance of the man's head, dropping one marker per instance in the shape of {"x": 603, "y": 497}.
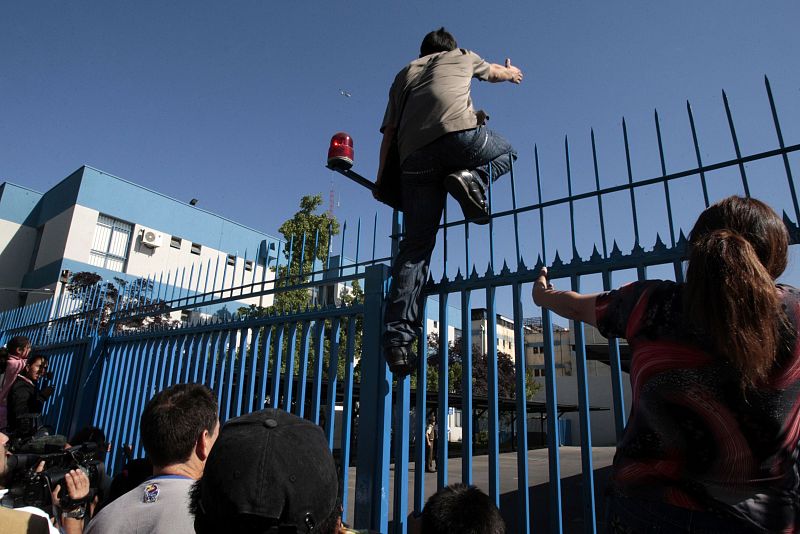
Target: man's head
{"x": 19, "y": 346}
{"x": 461, "y": 508}
{"x": 34, "y": 367}
{"x": 179, "y": 425}
{"x": 269, "y": 471}
{"x": 437, "y": 41}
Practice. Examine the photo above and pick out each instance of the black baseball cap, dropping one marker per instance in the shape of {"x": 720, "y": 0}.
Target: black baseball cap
{"x": 269, "y": 466}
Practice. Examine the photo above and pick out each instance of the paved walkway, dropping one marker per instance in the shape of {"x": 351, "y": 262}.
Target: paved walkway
{"x": 538, "y": 482}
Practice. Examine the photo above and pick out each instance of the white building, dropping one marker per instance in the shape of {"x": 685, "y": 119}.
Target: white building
{"x": 93, "y": 221}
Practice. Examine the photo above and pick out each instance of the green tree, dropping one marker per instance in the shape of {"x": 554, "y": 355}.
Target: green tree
{"x": 506, "y": 371}
{"x": 308, "y": 236}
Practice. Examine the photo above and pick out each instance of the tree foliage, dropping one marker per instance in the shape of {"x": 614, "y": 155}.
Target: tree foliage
{"x": 506, "y": 371}
{"x": 308, "y": 236}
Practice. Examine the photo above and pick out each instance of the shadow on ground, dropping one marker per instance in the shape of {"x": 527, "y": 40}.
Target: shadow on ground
{"x": 571, "y": 504}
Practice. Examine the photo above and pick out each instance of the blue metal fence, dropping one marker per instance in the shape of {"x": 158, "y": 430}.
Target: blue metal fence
{"x": 324, "y": 362}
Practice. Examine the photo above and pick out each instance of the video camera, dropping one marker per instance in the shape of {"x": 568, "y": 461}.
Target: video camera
{"x": 29, "y": 488}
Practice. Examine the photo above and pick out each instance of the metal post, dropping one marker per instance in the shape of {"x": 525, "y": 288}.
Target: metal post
{"x": 372, "y": 472}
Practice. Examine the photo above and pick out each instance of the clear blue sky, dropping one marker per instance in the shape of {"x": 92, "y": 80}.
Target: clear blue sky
{"x": 234, "y": 102}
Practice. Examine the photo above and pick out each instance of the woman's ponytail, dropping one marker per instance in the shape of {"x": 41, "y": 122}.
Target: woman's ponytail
{"x": 737, "y": 248}
{"x": 732, "y": 296}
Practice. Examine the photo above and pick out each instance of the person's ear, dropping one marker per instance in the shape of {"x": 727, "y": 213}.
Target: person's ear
{"x": 203, "y": 446}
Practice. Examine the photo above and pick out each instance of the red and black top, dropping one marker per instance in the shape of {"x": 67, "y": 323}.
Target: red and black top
{"x": 695, "y": 439}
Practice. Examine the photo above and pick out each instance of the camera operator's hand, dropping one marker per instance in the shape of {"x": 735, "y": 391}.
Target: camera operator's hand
{"x": 77, "y": 484}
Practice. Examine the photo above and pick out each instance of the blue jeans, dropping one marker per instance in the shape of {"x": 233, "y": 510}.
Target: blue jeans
{"x": 479, "y": 150}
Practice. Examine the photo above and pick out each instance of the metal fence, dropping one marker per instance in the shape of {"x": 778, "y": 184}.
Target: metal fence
{"x": 324, "y": 362}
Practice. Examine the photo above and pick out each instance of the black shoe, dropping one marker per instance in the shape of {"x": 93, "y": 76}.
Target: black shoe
{"x": 468, "y": 191}
{"x": 402, "y": 362}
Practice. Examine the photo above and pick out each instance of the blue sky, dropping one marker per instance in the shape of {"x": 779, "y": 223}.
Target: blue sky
{"x": 234, "y": 103}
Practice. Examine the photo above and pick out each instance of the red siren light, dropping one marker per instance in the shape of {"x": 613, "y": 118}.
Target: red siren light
{"x": 340, "y": 153}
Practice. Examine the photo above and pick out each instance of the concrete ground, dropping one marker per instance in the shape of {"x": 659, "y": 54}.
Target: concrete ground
{"x": 538, "y": 486}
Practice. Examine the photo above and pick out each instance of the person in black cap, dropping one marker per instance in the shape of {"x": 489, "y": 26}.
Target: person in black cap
{"x": 269, "y": 472}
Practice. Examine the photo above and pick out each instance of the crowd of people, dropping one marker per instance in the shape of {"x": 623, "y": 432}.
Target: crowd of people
{"x": 711, "y": 445}
{"x": 267, "y": 471}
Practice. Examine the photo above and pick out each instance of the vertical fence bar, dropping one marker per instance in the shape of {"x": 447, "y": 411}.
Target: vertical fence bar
{"x": 421, "y": 418}
{"x": 587, "y": 469}
{"x": 492, "y": 393}
{"x": 551, "y": 397}
{"x": 617, "y": 391}
{"x": 735, "y": 140}
{"x": 466, "y": 388}
{"x": 251, "y": 386}
{"x": 697, "y": 153}
{"x": 372, "y": 470}
{"x": 264, "y": 367}
{"x": 630, "y": 183}
{"x": 786, "y": 165}
{"x": 523, "y": 504}
{"x": 316, "y": 389}
{"x": 302, "y": 376}
{"x": 333, "y": 376}
{"x": 277, "y": 359}
{"x": 444, "y": 390}
{"x": 290, "y": 354}
{"x": 347, "y": 409}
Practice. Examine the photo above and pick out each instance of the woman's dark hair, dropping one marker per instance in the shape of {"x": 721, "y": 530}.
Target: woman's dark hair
{"x": 737, "y": 248}
{"x": 437, "y": 41}
{"x": 33, "y": 357}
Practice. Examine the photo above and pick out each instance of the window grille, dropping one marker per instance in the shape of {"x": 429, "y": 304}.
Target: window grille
{"x": 111, "y": 242}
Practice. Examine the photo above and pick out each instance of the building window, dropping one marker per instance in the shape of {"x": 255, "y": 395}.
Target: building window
{"x": 435, "y": 324}
{"x": 248, "y": 265}
{"x": 196, "y": 248}
{"x": 175, "y": 242}
{"x": 112, "y": 239}
{"x": 231, "y": 260}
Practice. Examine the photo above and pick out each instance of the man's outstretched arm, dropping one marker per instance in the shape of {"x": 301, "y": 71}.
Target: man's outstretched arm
{"x": 504, "y": 73}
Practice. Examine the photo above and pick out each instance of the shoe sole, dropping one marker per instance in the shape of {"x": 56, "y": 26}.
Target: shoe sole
{"x": 472, "y": 211}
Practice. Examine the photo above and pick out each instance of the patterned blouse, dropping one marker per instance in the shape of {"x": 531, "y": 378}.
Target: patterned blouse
{"x": 695, "y": 439}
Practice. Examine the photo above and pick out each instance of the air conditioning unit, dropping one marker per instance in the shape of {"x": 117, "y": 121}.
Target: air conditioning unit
{"x": 151, "y": 238}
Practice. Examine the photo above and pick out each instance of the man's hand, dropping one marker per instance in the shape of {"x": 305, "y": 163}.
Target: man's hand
{"x": 513, "y": 72}
{"x": 77, "y": 484}
{"x": 375, "y": 192}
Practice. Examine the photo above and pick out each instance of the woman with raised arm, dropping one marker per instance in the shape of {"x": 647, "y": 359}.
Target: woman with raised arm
{"x": 711, "y": 444}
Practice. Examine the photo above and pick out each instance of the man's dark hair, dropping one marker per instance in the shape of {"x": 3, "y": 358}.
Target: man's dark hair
{"x": 437, "y": 41}
{"x": 16, "y": 343}
{"x": 461, "y": 508}
{"x": 174, "y": 419}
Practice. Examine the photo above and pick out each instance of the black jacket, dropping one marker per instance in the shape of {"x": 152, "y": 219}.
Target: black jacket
{"x": 25, "y": 405}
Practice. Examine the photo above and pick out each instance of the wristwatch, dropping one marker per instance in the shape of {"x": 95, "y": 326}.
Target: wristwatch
{"x": 75, "y": 513}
